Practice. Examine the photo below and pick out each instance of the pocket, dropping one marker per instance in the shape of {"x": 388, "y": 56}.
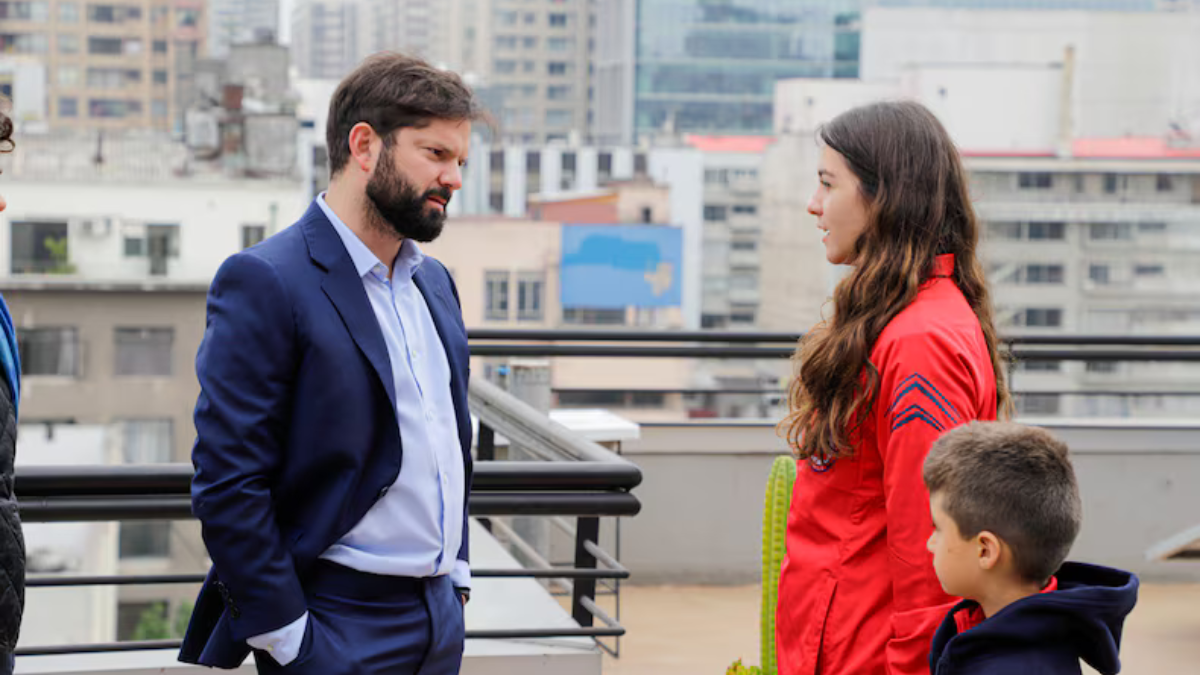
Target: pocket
{"x": 816, "y": 637}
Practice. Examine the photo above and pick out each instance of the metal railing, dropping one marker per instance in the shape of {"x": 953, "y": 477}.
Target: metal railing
{"x": 577, "y": 478}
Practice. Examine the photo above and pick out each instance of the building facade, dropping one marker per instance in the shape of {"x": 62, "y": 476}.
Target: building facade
{"x": 114, "y": 65}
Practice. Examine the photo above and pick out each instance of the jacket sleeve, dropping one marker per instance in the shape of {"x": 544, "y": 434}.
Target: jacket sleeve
{"x": 246, "y": 367}
{"x": 924, "y": 390}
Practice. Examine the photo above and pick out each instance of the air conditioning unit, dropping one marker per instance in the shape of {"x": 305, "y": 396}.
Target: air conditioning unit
{"x": 96, "y": 227}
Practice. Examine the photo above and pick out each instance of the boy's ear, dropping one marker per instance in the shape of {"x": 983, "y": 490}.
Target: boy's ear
{"x": 990, "y": 549}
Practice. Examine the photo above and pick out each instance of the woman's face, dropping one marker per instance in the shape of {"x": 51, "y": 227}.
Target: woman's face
{"x": 839, "y": 207}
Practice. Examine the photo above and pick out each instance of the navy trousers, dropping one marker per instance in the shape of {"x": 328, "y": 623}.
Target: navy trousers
{"x": 368, "y": 624}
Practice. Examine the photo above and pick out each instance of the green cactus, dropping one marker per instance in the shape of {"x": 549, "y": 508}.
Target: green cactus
{"x": 774, "y": 548}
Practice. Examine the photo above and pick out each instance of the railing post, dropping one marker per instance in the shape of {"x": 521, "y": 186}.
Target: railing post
{"x": 486, "y": 446}
{"x": 586, "y": 529}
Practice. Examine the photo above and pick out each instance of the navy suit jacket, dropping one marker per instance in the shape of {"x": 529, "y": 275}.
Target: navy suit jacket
{"x": 296, "y": 432}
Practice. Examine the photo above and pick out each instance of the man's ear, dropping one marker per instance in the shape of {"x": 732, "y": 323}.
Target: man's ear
{"x": 990, "y": 549}
{"x": 365, "y": 146}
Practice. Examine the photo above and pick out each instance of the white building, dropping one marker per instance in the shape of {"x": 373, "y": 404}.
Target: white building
{"x": 1135, "y": 71}
{"x": 232, "y": 22}
{"x": 326, "y": 38}
{"x": 146, "y": 212}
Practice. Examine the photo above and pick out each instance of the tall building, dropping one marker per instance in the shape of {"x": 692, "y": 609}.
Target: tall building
{"x": 327, "y": 40}
{"x": 412, "y": 27}
{"x": 233, "y": 22}
{"x": 539, "y": 67}
{"x": 108, "y": 65}
{"x": 692, "y": 66}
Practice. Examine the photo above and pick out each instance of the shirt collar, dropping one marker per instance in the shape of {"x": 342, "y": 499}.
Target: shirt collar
{"x": 366, "y": 262}
{"x": 943, "y": 265}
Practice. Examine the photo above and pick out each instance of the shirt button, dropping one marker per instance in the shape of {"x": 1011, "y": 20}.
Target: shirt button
{"x": 383, "y": 492}
{"x": 428, "y": 415}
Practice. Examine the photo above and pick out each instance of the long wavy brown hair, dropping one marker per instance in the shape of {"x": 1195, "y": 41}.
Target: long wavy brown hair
{"x": 918, "y": 207}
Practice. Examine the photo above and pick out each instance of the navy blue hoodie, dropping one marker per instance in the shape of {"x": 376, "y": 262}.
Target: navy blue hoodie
{"x": 1044, "y": 634}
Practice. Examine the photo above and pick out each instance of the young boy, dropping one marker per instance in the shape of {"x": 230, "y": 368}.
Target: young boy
{"x": 1006, "y": 511}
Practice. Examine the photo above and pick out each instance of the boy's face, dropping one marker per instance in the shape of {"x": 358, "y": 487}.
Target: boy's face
{"x": 955, "y": 560}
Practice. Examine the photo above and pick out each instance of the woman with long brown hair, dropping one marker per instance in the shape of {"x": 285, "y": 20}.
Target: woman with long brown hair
{"x": 909, "y": 351}
{"x": 12, "y": 544}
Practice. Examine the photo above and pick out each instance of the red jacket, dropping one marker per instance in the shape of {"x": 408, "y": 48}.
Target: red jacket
{"x": 858, "y": 595}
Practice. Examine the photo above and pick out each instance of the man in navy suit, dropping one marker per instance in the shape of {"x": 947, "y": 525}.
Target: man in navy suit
{"x": 333, "y": 437}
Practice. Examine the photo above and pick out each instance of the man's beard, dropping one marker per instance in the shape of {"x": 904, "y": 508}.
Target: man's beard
{"x": 399, "y": 208}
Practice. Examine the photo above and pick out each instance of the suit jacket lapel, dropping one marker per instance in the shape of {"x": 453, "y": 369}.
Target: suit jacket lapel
{"x": 345, "y": 290}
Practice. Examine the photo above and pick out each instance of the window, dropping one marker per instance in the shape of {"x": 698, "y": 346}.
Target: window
{"x": 1080, "y": 183}
{"x": 146, "y": 441}
{"x": 562, "y": 92}
{"x": 506, "y": 42}
{"x": 160, "y": 77}
{"x": 506, "y": 18}
{"x": 1110, "y": 183}
{"x": 1035, "y": 181}
{"x": 1149, "y": 270}
{"x": 253, "y": 234}
{"x": 715, "y": 213}
{"x": 39, "y": 247}
{"x": 114, "y": 13}
{"x": 25, "y": 10}
{"x": 68, "y": 106}
{"x": 1039, "y": 366}
{"x": 1103, "y": 367}
{"x": 145, "y": 539}
{"x": 594, "y": 317}
{"x": 647, "y": 214}
{"x": 158, "y": 108}
{"x": 591, "y": 399}
{"x": 529, "y": 42}
{"x": 529, "y": 296}
{"x": 1099, "y": 274}
{"x": 505, "y": 67}
{"x": 105, "y": 46}
{"x": 560, "y": 44}
{"x": 68, "y": 43}
{"x": 68, "y": 12}
{"x": 530, "y": 18}
{"x": 1038, "y": 317}
{"x": 1111, "y": 232}
{"x": 604, "y": 162}
{"x": 1038, "y": 404}
{"x": 113, "y": 78}
{"x": 159, "y": 46}
{"x": 68, "y": 76}
{"x": 48, "y": 351}
{"x": 1043, "y": 274}
{"x": 558, "y": 118}
{"x": 186, "y": 17}
{"x": 568, "y": 160}
{"x": 1047, "y": 231}
{"x": 640, "y": 164}
{"x": 162, "y": 243}
{"x": 114, "y": 107}
{"x": 24, "y": 43}
{"x": 557, "y": 68}
{"x": 648, "y": 399}
{"x": 744, "y": 245}
{"x": 1006, "y": 231}
{"x": 558, "y": 20}
{"x": 135, "y": 247}
{"x": 143, "y": 352}
{"x": 1152, "y": 228}
{"x": 745, "y": 209}
{"x": 1163, "y": 183}
{"x": 496, "y": 294}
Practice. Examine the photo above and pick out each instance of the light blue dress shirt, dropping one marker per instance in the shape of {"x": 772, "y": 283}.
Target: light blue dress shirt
{"x": 415, "y": 529}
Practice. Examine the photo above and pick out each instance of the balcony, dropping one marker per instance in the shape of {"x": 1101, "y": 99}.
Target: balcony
{"x": 694, "y": 606}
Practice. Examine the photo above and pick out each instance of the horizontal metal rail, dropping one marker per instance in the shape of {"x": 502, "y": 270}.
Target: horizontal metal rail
{"x": 1025, "y": 353}
{"x": 779, "y": 390}
{"x": 504, "y": 335}
{"x": 176, "y": 478}
{"x": 168, "y": 507}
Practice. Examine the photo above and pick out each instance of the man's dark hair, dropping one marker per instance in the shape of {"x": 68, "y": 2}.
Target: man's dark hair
{"x": 1014, "y": 481}
{"x": 391, "y": 91}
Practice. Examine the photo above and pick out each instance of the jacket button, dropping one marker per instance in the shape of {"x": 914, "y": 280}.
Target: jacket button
{"x": 383, "y": 492}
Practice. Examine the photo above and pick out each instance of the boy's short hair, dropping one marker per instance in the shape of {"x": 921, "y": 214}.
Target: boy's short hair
{"x": 1014, "y": 481}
